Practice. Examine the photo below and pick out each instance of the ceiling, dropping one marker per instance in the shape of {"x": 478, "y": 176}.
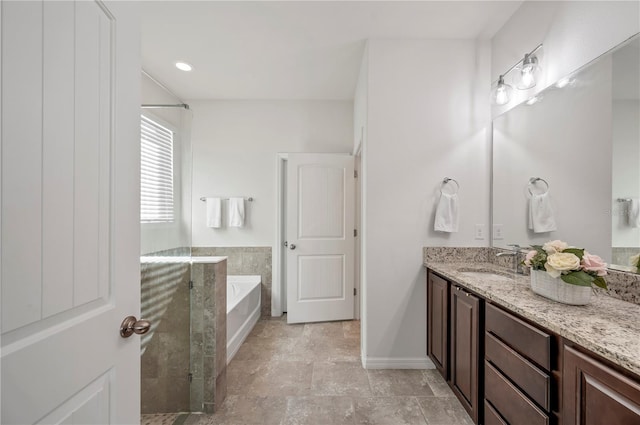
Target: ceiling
{"x": 292, "y": 49}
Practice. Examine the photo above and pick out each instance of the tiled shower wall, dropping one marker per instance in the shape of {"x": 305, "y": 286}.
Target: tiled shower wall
{"x": 246, "y": 261}
{"x": 165, "y": 350}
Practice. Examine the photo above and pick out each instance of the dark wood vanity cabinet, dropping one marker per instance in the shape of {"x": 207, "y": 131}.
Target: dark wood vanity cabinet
{"x": 518, "y": 367}
{"x": 465, "y": 349}
{"x": 594, "y": 393}
{"x": 506, "y": 370}
{"x": 438, "y": 323}
{"x": 453, "y": 339}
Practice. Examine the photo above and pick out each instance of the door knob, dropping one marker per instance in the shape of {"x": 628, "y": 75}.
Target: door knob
{"x": 292, "y": 246}
{"x": 130, "y": 325}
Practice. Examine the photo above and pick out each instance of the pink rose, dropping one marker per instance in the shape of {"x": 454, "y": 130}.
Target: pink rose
{"x": 593, "y": 263}
{"x": 529, "y": 257}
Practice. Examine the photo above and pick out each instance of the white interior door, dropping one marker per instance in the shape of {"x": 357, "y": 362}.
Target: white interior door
{"x": 320, "y": 217}
{"x": 70, "y": 214}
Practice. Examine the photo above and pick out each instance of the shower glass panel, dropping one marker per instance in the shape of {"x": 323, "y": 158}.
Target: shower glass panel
{"x": 166, "y": 167}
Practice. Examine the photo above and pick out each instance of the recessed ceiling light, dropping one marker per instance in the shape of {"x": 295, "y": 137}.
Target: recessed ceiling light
{"x": 183, "y": 66}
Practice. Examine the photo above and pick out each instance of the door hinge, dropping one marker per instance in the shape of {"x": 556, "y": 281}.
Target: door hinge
{"x": 191, "y": 284}
{"x": 355, "y": 292}
{"x": 355, "y": 233}
{"x": 355, "y": 173}
{"x": 190, "y": 377}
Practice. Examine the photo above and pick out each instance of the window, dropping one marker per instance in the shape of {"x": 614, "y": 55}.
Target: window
{"x": 156, "y": 172}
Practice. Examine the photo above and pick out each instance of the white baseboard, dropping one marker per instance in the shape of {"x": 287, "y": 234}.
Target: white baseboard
{"x": 397, "y": 363}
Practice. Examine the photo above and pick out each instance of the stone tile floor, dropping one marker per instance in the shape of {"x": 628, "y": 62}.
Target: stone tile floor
{"x": 159, "y": 419}
{"x": 310, "y": 374}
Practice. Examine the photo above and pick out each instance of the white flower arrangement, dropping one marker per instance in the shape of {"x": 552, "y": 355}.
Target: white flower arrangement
{"x": 573, "y": 265}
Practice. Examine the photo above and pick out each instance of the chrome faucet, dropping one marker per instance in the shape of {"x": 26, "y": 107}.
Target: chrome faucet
{"x": 515, "y": 250}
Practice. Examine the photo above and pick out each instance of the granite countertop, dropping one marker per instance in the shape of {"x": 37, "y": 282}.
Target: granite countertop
{"x": 607, "y": 326}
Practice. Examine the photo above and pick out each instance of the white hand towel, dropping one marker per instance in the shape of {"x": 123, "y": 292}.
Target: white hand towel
{"x": 634, "y": 213}
{"x": 541, "y": 218}
{"x": 214, "y": 213}
{"x": 236, "y": 212}
{"x": 447, "y": 213}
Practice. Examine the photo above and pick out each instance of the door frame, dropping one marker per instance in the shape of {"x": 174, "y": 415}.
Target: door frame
{"x": 278, "y": 287}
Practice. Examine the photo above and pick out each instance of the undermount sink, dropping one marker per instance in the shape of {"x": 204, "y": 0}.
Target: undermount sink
{"x": 488, "y": 274}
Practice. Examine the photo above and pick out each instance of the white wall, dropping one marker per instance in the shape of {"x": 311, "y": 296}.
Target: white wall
{"x": 360, "y": 110}
{"x": 573, "y": 33}
{"x": 235, "y": 146}
{"x": 162, "y": 236}
{"x": 427, "y": 119}
{"x": 564, "y": 139}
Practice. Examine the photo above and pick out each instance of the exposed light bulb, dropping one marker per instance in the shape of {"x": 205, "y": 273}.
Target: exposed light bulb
{"x": 533, "y": 100}
{"x": 502, "y": 92}
{"x": 564, "y": 82}
{"x": 501, "y": 96}
{"x": 527, "y": 77}
{"x": 183, "y": 66}
{"x": 528, "y": 74}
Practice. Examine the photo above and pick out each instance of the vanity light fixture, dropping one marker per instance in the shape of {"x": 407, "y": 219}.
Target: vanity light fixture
{"x": 526, "y": 78}
{"x": 564, "y": 82}
{"x": 533, "y": 100}
{"x": 502, "y": 92}
{"x": 528, "y": 72}
{"x": 183, "y": 66}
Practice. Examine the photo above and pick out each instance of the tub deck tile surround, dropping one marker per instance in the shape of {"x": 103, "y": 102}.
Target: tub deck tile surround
{"x": 287, "y": 375}
{"x": 607, "y": 326}
{"x": 246, "y": 260}
{"x": 209, "y": 336}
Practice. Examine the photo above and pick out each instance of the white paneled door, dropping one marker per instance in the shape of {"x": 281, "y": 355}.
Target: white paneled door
{"x": 320, "y": 237}
{"x": 70, "y": 214}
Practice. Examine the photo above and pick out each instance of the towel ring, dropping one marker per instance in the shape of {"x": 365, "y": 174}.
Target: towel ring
{"x": 447, "y": 180}
{"x": 533, "y": 180}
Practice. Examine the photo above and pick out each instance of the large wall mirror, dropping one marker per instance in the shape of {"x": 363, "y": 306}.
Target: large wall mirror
{"x": 566, "y": 164}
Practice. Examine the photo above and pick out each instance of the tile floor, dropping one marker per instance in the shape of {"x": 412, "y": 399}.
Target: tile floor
{"x": 311, "y": 374}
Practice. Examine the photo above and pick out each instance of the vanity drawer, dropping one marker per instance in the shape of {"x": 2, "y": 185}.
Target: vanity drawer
{"x": 522, "y": 337}
{"x": 534, "y": 382}
{"x": 512, "y": 405}
{"x": 491, "y": 417}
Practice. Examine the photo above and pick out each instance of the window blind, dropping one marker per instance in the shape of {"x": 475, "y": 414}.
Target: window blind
{"x": 156, "y": 172}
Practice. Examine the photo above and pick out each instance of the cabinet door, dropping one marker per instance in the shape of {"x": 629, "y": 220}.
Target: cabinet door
{"x": 465, "y": 354}
{"x": 595, "y": 394}
{"x": 437, "y": 322}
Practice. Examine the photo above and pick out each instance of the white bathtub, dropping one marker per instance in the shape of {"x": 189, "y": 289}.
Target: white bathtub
{"x": 207, "y": 259}
{"x": 243, "y": 310}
